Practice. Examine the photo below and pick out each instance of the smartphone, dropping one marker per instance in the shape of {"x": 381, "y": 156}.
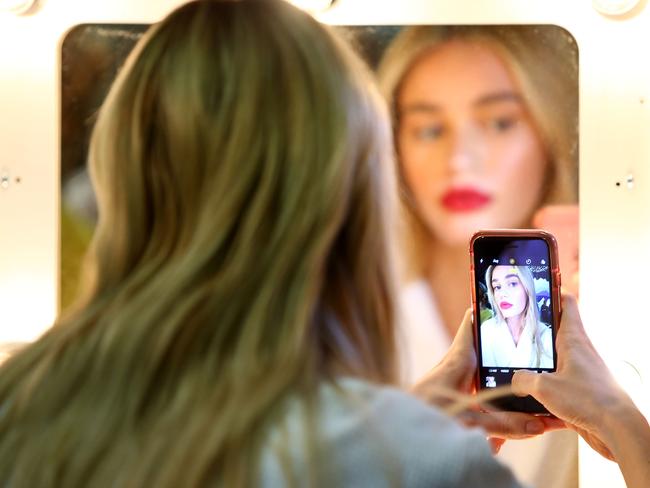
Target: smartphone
{"x": 515, "y": 278}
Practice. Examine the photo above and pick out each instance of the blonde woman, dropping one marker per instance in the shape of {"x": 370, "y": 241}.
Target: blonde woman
{"x": 514, "y": 337}
{"x": 237, "y": 328}
{"x": 486, "y": 134}
{"x": 485, "y": 127}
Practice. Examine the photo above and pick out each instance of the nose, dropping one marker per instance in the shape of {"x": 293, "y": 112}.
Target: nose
{"x": 467, "y": 150}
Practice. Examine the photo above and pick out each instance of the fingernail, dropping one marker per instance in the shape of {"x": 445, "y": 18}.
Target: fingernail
{"x": 534, "y": 427}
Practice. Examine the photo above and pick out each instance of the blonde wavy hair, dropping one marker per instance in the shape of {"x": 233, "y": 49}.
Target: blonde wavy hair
{"x": 531, "y": 311}
{"x": 543, "y": 61}
{"x": 242, "y": 163}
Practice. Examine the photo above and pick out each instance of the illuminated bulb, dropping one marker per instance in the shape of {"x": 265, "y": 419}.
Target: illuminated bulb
{"x": 614, "y": 7}
{"x": 16, "y": 6}
{"x": 312, "y": 5}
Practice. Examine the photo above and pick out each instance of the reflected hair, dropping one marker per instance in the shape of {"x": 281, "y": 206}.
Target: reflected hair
{"x": 543, "y": 61}
{"x": 531, "y": 311}
{"x": 243, "y": 254}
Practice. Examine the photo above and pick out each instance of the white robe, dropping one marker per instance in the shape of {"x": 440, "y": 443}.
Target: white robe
{"x": 499, "y": 349}
{"x": 550, "y": 460}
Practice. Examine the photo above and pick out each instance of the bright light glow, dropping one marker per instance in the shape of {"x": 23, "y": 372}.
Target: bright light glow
{"x": 312, "y": 5}
{"x": 614, "y": 7}
{"x": 16, "y": 6}
{"x": 28, "y": 307}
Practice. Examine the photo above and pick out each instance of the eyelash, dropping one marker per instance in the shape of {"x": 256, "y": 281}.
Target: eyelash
{"x": 434, "y": 132}
{"x": 512, "y": 284}
{"x": 501, "y": 124}
{"x": 431, "y": 132}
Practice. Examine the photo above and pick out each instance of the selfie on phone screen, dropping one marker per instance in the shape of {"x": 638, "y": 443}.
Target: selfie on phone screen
{"x": 515, "y": 320}
{"x": 514, "y": 304}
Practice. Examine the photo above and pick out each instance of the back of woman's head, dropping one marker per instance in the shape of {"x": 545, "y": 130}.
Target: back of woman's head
{"x": 241, "y": 255}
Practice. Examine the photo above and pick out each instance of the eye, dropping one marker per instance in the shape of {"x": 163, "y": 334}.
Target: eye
{"x": 513, "y": 284}
{"x": 429, "y": 132}
{"x": 497, "y": 287}
{"x": 501, "y": 124}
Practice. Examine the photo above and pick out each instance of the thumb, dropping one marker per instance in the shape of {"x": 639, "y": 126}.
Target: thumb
{"x": 526, "y": 383}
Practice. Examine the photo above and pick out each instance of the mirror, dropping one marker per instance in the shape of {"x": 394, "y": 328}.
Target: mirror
{"x": 543, "y": 101}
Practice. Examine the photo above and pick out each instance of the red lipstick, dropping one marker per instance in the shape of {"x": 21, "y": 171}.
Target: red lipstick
{"x": 465, "y": 199}
{"x": 505, "y": 305}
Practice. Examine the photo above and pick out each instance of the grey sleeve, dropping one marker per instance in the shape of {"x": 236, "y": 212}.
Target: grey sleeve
{"x": 378, "y": 437}
{"x": 400, "y": 441}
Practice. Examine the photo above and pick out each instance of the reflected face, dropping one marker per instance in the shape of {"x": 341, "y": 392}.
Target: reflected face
{"x": 470, "y": 153}
{"x": 509, "y": 293}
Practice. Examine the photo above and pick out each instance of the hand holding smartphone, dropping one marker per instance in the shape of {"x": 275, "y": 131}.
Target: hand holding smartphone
{"x": 516, "y": 281}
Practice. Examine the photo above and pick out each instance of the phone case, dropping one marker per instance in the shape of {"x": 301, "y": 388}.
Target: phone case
{"x": 555, "y": 288}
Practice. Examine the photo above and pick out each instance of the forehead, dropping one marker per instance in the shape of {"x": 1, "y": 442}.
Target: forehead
{"x": 501, "y": 272}
{"x": 457, "y": 72}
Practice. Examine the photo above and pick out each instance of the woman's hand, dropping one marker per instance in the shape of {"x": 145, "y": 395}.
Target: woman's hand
{"x": 451, "y": 383}
{"x": 583, "y": 393}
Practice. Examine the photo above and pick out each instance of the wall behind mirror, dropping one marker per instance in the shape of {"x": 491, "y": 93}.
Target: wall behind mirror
{"x": 433, "y": 125}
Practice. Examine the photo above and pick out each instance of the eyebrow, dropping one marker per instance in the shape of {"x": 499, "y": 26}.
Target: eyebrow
{"x": 496, "y": 280}
{"x": 420, "y": 107}
{"x": 490, "y": 98}
{"x": 504, "y": 96}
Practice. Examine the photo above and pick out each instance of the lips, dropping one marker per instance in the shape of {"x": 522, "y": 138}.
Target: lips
{"x": 505, "y": 305}
{"x": 465, "y": 199}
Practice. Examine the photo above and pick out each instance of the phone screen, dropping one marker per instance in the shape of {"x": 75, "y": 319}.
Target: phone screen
{"x": 513, "y": 296}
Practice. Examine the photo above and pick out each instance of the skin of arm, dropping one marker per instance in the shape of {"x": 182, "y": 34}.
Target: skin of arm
{"x": 627, "y": 434}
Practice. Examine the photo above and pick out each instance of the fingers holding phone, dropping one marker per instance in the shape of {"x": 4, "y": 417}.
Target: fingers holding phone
{"x": 582, "y": 391}
{"x": 451, "y": 382}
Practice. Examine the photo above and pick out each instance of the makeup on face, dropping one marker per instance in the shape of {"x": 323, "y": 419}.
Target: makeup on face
{"x": 465, "y": 199}
{"x": 509, "y": 292}
{"x": 469, "y": 151}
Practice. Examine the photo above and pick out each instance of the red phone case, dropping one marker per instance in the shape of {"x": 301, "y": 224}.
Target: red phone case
{"x": 553, "y": 264}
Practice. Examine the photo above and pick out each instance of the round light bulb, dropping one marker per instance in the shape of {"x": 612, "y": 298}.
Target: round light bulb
{"x": 17, "y": 7}
{"x": 313, "y": 5}
{"x": 614, "y": 7}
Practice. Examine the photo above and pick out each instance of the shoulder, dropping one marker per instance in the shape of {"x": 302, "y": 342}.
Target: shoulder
{"x": 491, "y": 322}
{"x": 421, "y": 336}
{"x": 416, "y": 293}
{"x": 489, "y": 325}
{"x": 545, "y": 331}
{"x": 396, "y": 436}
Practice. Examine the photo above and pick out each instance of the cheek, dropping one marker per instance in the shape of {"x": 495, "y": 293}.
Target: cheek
{"x": 419, "y": 171}
{"x": 521, "y": 299}
{"x": 519, "y": 176}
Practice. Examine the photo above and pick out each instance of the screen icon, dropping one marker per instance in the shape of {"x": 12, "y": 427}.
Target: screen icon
{"x": 490, "y": 382}
{"x": 528, "y": 261}
{"x": 495, "y": 261}
{"x": 543, "y": 261}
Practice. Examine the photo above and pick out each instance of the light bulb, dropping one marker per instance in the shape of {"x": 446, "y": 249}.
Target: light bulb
{"x": 614, "y": 7}
{"x": 313, "y": 5}
{"x": 17, "y": 7}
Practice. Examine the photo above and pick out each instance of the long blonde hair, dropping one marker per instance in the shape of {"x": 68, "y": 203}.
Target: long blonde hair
{"x": 543, "y": 61}
{"x": 531, "y": 314}
{"x": 243, "y": 254}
